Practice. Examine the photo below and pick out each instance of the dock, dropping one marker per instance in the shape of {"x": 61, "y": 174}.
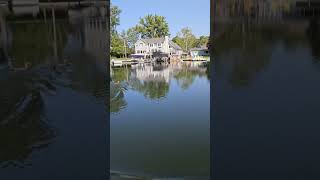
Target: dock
{"x": 129, "y": 62}
{"x": 123, "y": 62}
{"x": 199, "y": 58}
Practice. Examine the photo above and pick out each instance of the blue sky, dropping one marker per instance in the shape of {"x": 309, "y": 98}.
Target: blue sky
{"x": 179, "y": 13}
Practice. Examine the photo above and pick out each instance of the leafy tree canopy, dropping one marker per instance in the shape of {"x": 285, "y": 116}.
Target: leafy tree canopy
{"x": 114, "y": 18}
{"x": 153, "y": 26}
{"x": 117, "y": 47}
{"x": 185, "y": 39}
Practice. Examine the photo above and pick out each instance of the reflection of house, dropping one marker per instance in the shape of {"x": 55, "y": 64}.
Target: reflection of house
{"x": 148, "y": 46}
{"x": 148, "y": 73}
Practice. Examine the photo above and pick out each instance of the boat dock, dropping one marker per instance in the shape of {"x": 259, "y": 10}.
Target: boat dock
{"x": 198, "y": 59}
{"x": 129, "y": 62}
{"x": 121, "y": 62}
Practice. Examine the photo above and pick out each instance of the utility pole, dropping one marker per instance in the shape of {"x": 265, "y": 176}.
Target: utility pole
{"x": 186, "y": 42}
{"x": 125, "y": 47}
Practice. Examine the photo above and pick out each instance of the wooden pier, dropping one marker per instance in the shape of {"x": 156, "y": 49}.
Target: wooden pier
{"x": 122, "y": 62}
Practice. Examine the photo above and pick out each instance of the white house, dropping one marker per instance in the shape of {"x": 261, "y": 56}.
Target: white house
{"x": 200, "y": 53}
{"x": 146, "y": 47}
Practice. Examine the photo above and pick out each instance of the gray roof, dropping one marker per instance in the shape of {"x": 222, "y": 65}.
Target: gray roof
{"x": 161, "y": 40}
{"x": 174, "y": 45}
{"x": 153, "y": 40}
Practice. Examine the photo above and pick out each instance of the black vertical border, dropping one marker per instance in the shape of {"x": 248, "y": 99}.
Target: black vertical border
{"x": 107, "y": 65}
{"x": 212, "y": 77}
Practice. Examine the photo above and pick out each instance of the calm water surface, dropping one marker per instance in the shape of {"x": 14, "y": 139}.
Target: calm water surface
{"x": 53, "y": 93}
{"x": 266, "y": 91}
{"x": 160, "y": 120}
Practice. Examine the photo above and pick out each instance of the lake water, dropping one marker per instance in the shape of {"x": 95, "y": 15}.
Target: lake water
{"x": 53, "y": 118}
{"x": 266, "y": 91}
{"x": 160, "y": 120}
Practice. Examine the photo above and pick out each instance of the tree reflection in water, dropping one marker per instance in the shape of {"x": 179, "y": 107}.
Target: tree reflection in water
{"x": 187, "y": 74}
{"x": 246, "y": 48}
{"x": 118, "y": 86}
{"x": 153, "y": 90}
{"x": 117, "y": 101}
{"x": 153, "y": 81}
{"x": 247, "y": 33}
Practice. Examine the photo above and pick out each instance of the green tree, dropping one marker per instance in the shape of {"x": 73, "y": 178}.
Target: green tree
{"x": 202, "y": 41}
{"x": 114, "y": 18}
{"x": 153, "y": 26}
{"x": 178, "y": 40}
{"x": 188, "y": 37}
{"x": 124, "y": 38}
{"x": 129, "y": 37}
{"x": 132, "y": 37}
{"x": 185, "y": 39}
{"x": 117, "y": 49}
{"x": 116, "y": 41}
